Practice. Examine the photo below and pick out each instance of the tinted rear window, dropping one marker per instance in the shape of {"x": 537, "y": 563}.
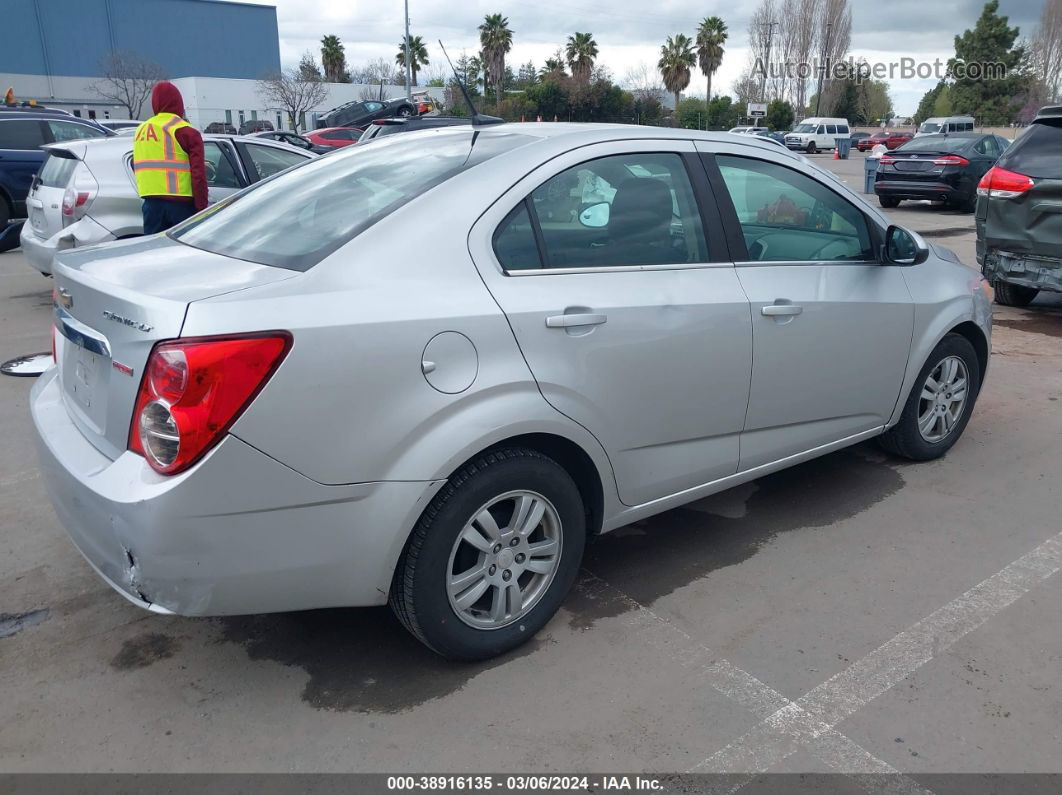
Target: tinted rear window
{"x": 20, "y": 134}
{"x": 1036, "y": 153}
{"x": 56, "y": 171}
{"x": 301, "y": 216}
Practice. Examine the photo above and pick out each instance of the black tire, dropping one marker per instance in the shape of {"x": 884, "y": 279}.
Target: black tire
{"x": 1008, "y": 294}
{"x": 888, "y": 201}
{"x": 418, "y": 591}
{"x": 904, "y": 439}
{"x": 405, "y": 111}
{"x": 812, "y": 149}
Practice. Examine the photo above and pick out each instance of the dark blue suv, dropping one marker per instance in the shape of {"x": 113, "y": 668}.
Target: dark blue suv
{"x": 22, "y": 132}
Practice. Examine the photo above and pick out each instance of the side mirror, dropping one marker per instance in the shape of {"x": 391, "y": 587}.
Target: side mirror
{"x": 596, "y": 215}
{"x": 903, "y": 247}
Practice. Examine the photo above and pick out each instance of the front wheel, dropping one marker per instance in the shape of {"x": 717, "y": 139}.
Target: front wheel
{"x": 940, "y": 403}
{"x": 492, "y": 557}
{"x": 1008, "y": 294}
{"x": 888, "y": 201}
{"x": 812, "y": 149}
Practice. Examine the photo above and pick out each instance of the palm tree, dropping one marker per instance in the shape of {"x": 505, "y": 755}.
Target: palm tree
{"x": 553, "y": 65}
{"x": 580, "y": 54}
{"x": 333, "y": 59}
{"x": 496, "y": 39}
{"x": 677, "y": 58}
{"x": 418, "y": 55}
{"x": 711, "y": 35}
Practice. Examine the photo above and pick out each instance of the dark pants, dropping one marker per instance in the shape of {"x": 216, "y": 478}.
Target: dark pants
{"x": 161, "y": 214}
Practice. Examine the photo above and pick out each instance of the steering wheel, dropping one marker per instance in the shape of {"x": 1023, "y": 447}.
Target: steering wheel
{"x": 211, "y": 170}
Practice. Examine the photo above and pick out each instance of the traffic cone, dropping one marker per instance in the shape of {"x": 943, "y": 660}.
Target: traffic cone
{"x": 836, "y": 153}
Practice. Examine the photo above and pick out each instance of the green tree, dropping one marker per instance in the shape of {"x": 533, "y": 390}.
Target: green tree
{"x": 929, "y": 99}
{"x": 677, "y": 59}
{"x": 711, "y": 35}
{"x": 496, "y": 39}
{"x": 308, "y": 68}
{"x": 418, "y": 55}
{"x": 992, "y": 99}
{"x": 780, "y": 115}
{"x": 549, "y": 98}
{"x": 553, "y": 65}
{"x": 333, "y": 59}
{"x": 724, "y": 113}
{"x": 692, "y": 113}
{"x": 580, "y": 54}
{"x": 527, "y": 75}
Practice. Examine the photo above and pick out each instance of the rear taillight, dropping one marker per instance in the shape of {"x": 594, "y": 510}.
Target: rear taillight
{"x": 886, "y": 160}
{"x": 998, "y": 183}
{"x": 193, "y": 390}
{"x": 951, "y": 160}
{"x": 79, "y": 194}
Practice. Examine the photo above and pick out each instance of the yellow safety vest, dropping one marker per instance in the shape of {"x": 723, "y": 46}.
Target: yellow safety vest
{"x": 160, "y": 164}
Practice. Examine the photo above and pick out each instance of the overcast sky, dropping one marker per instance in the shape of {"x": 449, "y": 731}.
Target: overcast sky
{"x": 625, "y": 33}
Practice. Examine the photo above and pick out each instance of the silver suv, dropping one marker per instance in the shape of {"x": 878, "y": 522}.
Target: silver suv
{"x": 85, "y": 191}
{"x": 266, "y": 409}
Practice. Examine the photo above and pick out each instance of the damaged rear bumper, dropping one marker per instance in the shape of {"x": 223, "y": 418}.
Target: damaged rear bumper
{"x": 1040, "y": 273}
{"x": 238, "y": 533}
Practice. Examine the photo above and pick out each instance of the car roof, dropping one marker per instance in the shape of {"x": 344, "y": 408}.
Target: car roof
{"x": 124, "y": 141}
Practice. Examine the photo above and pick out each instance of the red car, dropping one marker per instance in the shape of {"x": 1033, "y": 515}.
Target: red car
{"x": 334, "y": 137}
{"x": 890, "y": 139}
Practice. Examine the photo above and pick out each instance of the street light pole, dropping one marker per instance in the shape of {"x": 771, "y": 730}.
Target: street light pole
{"x": 822, "y": 67}
{"x": 409, "y": 70}
{"x": 767, "y": 66}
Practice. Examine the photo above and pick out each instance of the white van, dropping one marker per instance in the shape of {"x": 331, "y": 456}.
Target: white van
{"x": 817, "y": 134}
{"x": 946, "y": 124}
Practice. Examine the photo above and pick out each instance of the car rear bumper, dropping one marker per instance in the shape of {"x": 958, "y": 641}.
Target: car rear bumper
{"x": 238, "y": 533}
{"x": 40, "y": 252}
{"x": 1040, "y": 273}
{"x": 903, "y": 189}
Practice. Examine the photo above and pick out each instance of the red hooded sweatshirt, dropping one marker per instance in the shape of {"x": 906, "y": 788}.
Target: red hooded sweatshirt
{"x": 165, "y": 98}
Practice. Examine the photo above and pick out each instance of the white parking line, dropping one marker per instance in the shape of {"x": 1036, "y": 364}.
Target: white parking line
{"x": 802, "y": 723}
{"x": 830, "y": 746}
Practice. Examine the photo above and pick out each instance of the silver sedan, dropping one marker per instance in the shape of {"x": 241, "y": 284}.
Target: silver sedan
{"x": 268, "y": 409}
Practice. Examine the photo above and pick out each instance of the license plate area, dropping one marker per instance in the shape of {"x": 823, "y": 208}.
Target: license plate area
{"x": 85, "y": 379}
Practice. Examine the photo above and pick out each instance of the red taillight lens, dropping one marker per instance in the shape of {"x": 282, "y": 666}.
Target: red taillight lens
{"x": 193, "y": 390}
{"x": 1002, "y": 184}
{"x": 886, "y": 160}
{"x": 951, "y": 160}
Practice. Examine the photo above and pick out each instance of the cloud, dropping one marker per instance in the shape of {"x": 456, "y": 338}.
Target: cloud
{"x": 626, "y": 32}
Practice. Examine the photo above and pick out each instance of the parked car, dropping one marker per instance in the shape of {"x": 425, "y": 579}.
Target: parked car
{"x": 359, "y": 114}
{"x": 776, "y": 137}
{"x": 351, "y": 436}
{"x": 219, "y": 128}
{"x": 856, "y": 137}
{"x": 86, "y": 193}
{"x": 254, "y": 125}
{"x": 425, "y": 104}
{"x": 334, "y": 137}
{"x": 382, "y": 127}
{"x": 117, "y": 125}
{"x": 748, "y": 130}
{"x": 292, "y": 139}
{"x": 945, "y": 125}
{"x": 1019, "y": 230}
{"x": 943, "y": 168}
{"x": 890, "y": 139}
{"x": 22, "y": 133}
{"x": 817, "y": 133}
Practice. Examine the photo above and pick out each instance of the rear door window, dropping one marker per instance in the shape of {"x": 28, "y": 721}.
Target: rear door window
{"x": 831, "y": 129}
{"x": 20, "y": 134}
{"x": 268, "y": 160}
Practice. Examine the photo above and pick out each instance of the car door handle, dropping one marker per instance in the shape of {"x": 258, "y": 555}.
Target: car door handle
{"x": 780, "y": 310}
{"x": 570, "y": 321}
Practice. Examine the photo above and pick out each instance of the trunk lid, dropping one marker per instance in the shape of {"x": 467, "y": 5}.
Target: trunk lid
{"x": 113, "y": 303}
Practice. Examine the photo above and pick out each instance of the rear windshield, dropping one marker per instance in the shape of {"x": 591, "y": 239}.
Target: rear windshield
{"x": 56, "y": 171}
{"x": 936, "y": 143}
{"x": 299, "y": 217}
{"x": 1036, "y": 153}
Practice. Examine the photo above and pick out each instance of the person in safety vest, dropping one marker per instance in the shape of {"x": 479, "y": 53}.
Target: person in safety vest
{"x": 168, "y": 162}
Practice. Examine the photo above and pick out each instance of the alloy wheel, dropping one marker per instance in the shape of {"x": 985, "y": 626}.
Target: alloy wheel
{"x": 943, "y": 399}
{"x": 504, "y": 560}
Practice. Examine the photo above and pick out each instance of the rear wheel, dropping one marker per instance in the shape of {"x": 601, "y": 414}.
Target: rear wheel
{"x": 812, "y": 149}
{"x": 888, "y": 201}
{"x": 1008, "y": 294}
{"x": 492, "y": 556}
{"x": 405, "y": 111}
{"x": 940, "y": 403}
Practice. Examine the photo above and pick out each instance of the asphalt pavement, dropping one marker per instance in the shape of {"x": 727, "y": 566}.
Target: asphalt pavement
{"x": 856, "y": 613}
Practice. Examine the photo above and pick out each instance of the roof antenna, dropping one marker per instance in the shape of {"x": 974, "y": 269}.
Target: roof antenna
{"x": 478, "y": 119}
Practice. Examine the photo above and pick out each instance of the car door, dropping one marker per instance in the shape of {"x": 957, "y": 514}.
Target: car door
{"x": 831, "y": 325}
{"x": 261, "y": 161}
{"x": 20, "y": 157}
{"x": 610, "y": 265}
{"x": 223, "y": 175}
